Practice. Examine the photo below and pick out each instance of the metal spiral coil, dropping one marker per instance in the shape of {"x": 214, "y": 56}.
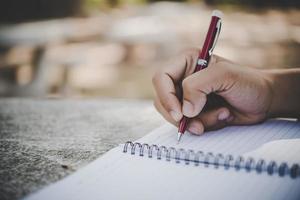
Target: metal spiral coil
{"x": 211, "y": 159}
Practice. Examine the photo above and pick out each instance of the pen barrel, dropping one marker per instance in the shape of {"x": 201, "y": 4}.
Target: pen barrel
{"x": 204, "y": 55}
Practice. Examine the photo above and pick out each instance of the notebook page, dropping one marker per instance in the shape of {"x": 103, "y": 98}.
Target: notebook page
{"x": 235, "y": 140}
{"x": 285, "y": 150}
{"x": 124, "y": 176}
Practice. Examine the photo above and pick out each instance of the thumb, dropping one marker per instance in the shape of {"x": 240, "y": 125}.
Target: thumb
{"x": 197, "y": 86}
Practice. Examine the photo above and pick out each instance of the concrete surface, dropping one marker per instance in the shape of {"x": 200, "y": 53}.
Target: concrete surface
{"x": 44, "y": 140}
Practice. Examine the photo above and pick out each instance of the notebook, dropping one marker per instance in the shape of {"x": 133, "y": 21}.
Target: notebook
{"x": 241, "y": 162}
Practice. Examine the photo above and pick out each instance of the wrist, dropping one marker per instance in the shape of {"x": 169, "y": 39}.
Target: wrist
{"x": 283, "y": 93}
{"x": 274, "y": 107}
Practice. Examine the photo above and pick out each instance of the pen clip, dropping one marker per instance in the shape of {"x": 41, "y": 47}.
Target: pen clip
{"x": 218, "y": 27}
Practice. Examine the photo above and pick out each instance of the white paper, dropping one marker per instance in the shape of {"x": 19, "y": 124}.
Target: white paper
{"x": 235, "y": 140}
{"x": 285, "y": 150}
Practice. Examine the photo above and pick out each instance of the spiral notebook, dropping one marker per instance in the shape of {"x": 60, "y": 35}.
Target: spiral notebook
{"x": 242, "y": 162}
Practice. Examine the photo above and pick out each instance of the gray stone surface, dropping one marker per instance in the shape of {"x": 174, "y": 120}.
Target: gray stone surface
{"x": 44, "y": 140}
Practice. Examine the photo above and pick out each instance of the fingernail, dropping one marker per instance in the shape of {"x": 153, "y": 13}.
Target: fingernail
{"x": 230, "y": 119}
{"x": 187, "y": 108}
{"x": 175, "y": 115}
{"x": 195, "y": 129}
{"x": 223, "y": 115}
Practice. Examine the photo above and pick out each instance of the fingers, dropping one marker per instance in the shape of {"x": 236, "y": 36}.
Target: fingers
{"x": 163, "y": 112}
{"x": 166, "y": 96}
{"x": 165, "y": 82}
{"x": 210, "y": 120}
{"x": 193, "y": 100}
{"x": 197, "y": 86}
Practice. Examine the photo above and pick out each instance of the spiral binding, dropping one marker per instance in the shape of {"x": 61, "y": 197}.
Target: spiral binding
{"x": 211, "y": 159}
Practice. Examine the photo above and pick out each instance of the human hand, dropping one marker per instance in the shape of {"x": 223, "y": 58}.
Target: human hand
{"x": 222, "y": 94}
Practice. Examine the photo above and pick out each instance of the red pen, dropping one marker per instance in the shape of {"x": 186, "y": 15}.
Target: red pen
{"x": 204, "y": 56}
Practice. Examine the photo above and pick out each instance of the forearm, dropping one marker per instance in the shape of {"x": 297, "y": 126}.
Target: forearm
{"x": 285, "y": 86}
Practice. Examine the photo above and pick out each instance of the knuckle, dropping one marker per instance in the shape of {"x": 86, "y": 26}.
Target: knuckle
{"x": 156, "y": 77}
{"x": 166, "y": 103}
{"x": 191, "y": 57}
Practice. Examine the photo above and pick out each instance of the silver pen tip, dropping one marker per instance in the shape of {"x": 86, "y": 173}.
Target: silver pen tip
{"x": 179, "y": 136}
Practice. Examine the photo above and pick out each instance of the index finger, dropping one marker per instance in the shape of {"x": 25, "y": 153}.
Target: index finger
{"x": 165, "y": 81}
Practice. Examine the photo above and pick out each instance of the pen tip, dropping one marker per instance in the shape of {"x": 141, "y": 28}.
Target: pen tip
{"x": 179, "y": 136}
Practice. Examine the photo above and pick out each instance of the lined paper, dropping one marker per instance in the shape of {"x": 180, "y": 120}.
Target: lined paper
{"x": 235, "y": 140}
{"x": 285, "y": 150}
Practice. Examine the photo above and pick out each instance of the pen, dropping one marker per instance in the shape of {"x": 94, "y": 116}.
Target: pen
{"x": 204, "y": 56}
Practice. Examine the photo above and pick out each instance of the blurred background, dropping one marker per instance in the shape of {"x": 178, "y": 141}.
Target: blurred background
{"x": 111, "y": 48}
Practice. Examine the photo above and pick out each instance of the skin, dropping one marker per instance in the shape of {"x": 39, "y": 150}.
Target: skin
{"x": 224, "y": 93}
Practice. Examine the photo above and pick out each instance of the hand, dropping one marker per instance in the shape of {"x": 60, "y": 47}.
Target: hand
{"x": 222, "y": 94}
